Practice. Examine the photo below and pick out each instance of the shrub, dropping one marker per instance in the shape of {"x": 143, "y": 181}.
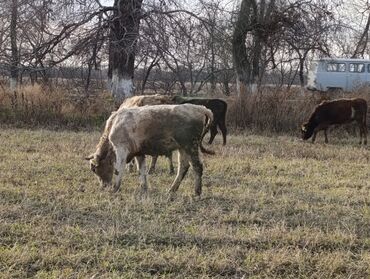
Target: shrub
{"x": 36, "y": 105}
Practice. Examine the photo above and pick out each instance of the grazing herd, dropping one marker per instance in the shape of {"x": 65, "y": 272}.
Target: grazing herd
{"x": 157, "y": 125}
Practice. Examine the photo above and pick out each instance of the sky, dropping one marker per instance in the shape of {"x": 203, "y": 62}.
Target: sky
{"x": 353, "y": 12}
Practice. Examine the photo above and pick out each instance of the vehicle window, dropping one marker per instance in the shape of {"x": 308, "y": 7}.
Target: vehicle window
{"x": 356, "y": 67}
{"x": 341, "y": 67}
{"x": 336, "y": 67}
{"x": 360, "y": 68}
{"x": 332, "y": 67}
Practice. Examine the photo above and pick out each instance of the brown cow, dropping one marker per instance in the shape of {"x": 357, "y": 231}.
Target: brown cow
{"x": 152, "y": 130}
{"x": 336, "y": 112}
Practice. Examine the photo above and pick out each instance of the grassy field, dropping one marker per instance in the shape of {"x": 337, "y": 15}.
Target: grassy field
{"x": 272, "y": 207}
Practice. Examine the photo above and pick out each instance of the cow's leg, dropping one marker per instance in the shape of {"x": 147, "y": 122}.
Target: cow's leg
{"x": 141, "y": 165}
{"x": 152, "y": 164}
{"x": 198, "y": 170}
{"x": 121, "y": 155}
{"x": 326, "y": 135}
{"x": 364, "y": 127}
{"x": 314, "y": 136}
{"x": 223, "y": 129}
{"x": 130, "y": 167}
{"x": 170, "y": 163}
{"x": 182, "y": 169}
{"x": 361, "y": 131}
{"x": 213, "y": 130}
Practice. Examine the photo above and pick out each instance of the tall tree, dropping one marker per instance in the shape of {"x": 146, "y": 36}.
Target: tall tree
{"x": 312, "y": 23}
{"x": 256, "y": 21}
{"x": 364, "y": 38}
{"x": 124, "y": 32}
{"x": 14, "y": 71}
{"x": 243, "y": 25}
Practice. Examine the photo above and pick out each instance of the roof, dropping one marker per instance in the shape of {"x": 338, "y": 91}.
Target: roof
{"x": 343, "y": 60}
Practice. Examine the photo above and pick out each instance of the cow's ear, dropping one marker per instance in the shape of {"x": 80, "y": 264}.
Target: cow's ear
{"x": 88, "y": 158}
{"x": 94, "y": 159}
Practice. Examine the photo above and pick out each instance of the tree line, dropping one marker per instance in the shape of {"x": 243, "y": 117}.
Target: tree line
{"x": 185, "y": 44}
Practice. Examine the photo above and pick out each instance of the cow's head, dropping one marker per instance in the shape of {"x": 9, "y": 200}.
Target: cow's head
{"x": 102, "y": 166}
{"x": 306, "y": 131}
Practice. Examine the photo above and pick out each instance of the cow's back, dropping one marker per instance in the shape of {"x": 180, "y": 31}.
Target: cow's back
{"x": 145, "y": 100}
{"x": 217, "y": 106}
{"x": 339, "y": 111}
{"x": 156, "y": 130}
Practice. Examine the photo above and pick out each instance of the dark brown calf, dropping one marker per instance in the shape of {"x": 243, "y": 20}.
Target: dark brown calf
{"x": 339, "y": 111}
{"x": 218, "y": 108}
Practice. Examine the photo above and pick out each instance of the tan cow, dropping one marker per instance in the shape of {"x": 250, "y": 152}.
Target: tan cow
{"x": 147, "y": 100}
{"x": 150, "y": 100}
{"x": 152, "y": 130}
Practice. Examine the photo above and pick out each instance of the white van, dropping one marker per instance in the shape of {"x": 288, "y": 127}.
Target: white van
{"x": 338, "y": 74}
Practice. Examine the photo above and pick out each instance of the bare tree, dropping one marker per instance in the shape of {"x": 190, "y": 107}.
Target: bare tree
{"x": 312, "y": 23}
{"x": 256, "y": 21}
{"x": 14, "y": 72}
{"x": 263, "y": 26}
{"x": 188, "y": 47}
{"x": 364, "y": 37}
{"x": 124, "y": 32}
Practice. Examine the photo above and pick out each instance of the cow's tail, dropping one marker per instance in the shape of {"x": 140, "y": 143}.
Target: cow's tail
{"x": 207, "y": 124}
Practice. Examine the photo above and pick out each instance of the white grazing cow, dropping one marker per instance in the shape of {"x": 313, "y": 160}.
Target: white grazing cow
{"x": 150, "y": 100}
{"x": 152, "y": 130}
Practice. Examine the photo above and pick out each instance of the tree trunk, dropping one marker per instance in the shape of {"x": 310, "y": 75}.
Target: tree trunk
{"x": 362, "y": 43}
{"x": 122, "y": 46}
{"x": 256, "y": 62}
{"x": 213, "y": 58}
{"x": 14, "y": 71}
{"x": 254, "y": 19}
{"x": 240, "y": 56}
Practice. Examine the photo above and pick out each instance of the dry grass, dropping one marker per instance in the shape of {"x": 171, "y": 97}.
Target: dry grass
{"x": 277, "y": 111}
{"x": 53, "y": 107}
{"x": 273, "y": 207}
{"x": 269, "y": 112}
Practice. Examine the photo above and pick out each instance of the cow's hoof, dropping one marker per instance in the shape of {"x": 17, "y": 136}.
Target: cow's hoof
{"x": 196, "y": 198}
{"x": 171, "y": 196}
{"x": 142, "y": 194}
{"x": 130, "y": 168}
{"x": 115, "y": 189}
